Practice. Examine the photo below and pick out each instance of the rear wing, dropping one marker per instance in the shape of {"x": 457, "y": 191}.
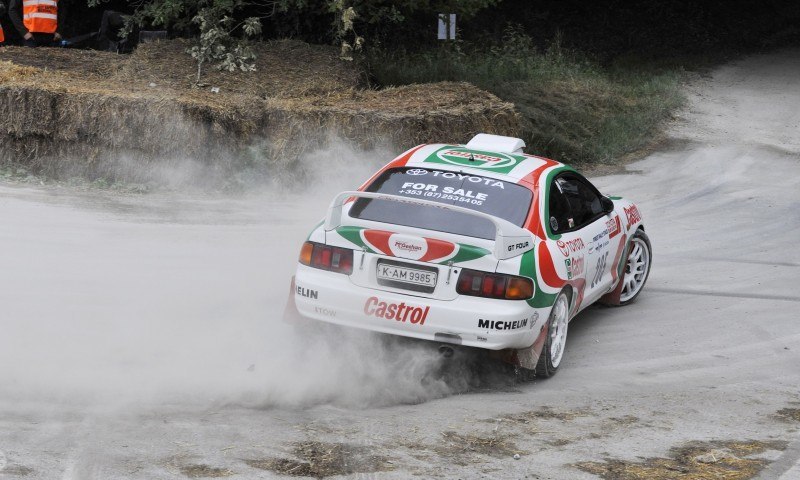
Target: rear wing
{"x": 509, "y": 241}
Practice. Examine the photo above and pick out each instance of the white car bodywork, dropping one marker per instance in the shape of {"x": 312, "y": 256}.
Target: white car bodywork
{"x": 587, "y": 262}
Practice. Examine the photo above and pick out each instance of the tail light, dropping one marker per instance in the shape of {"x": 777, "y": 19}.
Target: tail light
{"x": 494, "y": 285}
{"x": 326, "y": 257}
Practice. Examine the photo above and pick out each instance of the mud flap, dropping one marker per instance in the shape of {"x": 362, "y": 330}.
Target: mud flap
{"x": 526, "y": 358}
{"x": 290, "y": 314}
{"x": 612, "y": 298}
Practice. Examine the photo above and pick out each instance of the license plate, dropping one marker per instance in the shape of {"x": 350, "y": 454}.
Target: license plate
{"x": 403, "y": 276}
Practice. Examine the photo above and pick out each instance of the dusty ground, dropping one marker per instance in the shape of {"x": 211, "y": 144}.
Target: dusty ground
{"x": 140, "y": 336}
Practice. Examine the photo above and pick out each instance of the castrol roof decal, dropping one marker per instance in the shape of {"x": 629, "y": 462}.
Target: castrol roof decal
{"x": 504, "y": 166}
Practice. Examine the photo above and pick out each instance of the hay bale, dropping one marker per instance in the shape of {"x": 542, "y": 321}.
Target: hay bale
{"x": 74, "y": 112}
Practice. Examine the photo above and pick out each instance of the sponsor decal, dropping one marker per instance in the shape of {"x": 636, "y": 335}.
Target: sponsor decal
{"x": 459, "y": 156}
{"x": 407, "y": 246}
{"x": 404, "y": 246}
{"x": 401, "y": 312}
{"x": 416, "y": 171}
{"x": 518, "y": 246}
{"x": 613, "y": 226}
{"x": 600, "y": 235}
{"x": 470, "y": 178}
{"x": 482, "y": 339}
{"x": 325, "y": 311}
{"x": 534, "y": 318}
{"x": 570, "y": 246}
{"x": 307, "y": 292}
{"x": 438, "y": 251}
{"x": 494, "y": 161}
{"x": 599, "y": 270}
{"x": 633, "y": 215}
{"x": 575, "y": 267}
{"x": 501, "y": 325}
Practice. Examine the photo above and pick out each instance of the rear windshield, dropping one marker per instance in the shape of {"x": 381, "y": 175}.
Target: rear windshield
{"x": 505, "y": 200}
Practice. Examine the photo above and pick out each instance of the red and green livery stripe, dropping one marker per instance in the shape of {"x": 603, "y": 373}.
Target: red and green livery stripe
{"x": 436, "y": 251}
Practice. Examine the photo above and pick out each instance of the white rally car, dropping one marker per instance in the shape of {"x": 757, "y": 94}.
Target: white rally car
{"x": 477, "y": 245}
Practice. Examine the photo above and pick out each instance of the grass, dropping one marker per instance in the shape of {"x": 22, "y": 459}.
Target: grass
{"x": 733, "y": 460}
{"x": 574, "y": 110}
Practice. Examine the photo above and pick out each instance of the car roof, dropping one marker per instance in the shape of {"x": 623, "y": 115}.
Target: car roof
{"x": 509, "y": 167}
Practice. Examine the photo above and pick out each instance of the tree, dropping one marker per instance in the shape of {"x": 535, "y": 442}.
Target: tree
{"x": 221, "y": 27}
{"x": 216, "y": 45}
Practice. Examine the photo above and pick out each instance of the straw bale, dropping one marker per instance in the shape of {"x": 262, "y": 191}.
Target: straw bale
{"x": 72, "y": 111}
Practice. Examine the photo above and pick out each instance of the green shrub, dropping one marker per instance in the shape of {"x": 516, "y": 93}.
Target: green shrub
{"x": 574, "y": 110}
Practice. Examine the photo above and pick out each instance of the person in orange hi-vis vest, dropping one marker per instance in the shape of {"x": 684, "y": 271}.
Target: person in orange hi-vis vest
{"x": 39, "y": 22}
{"x": 2, "y": 13}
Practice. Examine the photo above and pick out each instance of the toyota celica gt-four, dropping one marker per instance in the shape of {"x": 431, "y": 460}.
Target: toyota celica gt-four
{"x": 479, "y": 245}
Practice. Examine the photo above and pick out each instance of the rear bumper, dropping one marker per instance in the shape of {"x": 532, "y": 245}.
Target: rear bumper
{"x": 472, "y": 321}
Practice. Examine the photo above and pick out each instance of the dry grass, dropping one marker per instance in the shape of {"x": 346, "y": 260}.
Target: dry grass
{"x": 545, "y": 413}
{"x": 285, "y": 69}
{"x": 16, "y": 471}
{"x": 319, "y": 459}
{"x": 71, "y": 111}
{"x": 204, "y": 471}
{"x": 12, "y": 73}
{"x": 789, "y": 414}
{"x": 695, "y": 461}
{"x": 461, "y": 448}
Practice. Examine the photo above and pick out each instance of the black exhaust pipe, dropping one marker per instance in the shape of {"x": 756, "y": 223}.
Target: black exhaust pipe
{"x": 446, "y": 351}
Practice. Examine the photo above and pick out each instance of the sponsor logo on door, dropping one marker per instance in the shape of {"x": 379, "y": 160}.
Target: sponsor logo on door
{"x": 570, "y": 246}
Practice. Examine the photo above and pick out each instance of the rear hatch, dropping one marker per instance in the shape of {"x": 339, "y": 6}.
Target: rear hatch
{"x": 413, "y": 230}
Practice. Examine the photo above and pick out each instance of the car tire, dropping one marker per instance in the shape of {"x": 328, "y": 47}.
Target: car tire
{"x": 637, "y": 267}
{"x": 556, "y": 341}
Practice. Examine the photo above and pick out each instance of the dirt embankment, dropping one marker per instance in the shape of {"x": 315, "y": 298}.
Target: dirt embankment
{"x": 77, "y": 112}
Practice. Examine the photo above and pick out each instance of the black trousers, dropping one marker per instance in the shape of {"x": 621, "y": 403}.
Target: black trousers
{"x": 40, "y": 40}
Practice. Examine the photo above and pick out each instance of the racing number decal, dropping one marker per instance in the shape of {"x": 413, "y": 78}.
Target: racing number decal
{"x": 601, "y": 267}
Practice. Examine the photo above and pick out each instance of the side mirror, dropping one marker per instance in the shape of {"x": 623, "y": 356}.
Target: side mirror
{"x": 607, "y": 204}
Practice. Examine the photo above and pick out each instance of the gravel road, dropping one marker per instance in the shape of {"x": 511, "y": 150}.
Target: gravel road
{"x": 140, "y": 335}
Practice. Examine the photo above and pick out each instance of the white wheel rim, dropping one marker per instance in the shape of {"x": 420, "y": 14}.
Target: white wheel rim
{"x": 558, "y": 329}
{"x": 635, "y": 270}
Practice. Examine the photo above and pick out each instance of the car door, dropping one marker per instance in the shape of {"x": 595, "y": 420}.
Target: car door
{"x": 578, "y": 219}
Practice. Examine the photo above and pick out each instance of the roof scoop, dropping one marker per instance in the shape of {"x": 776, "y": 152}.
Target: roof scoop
{"x": 496, "y": 143}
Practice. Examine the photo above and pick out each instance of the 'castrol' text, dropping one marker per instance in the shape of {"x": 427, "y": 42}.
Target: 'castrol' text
{"x": 394, "y": 311}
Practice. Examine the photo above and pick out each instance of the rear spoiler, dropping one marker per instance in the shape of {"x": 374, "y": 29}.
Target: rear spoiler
{"x": 510, "y": 240}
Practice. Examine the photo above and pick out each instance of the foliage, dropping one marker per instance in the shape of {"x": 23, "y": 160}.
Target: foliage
{"x": 219, "y": 25}
{"x": 573, "y": 109}
{"x": 216, "y": 43}
{"x": 334, "y": 21}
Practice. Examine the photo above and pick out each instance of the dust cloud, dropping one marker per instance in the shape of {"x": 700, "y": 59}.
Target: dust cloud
{"x": 126, "y": 300}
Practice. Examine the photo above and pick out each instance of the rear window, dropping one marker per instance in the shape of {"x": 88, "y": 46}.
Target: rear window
{"x": 505, "y": 200}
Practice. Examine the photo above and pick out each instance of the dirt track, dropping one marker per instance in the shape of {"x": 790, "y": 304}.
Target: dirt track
{"x": 140, "y": 336}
